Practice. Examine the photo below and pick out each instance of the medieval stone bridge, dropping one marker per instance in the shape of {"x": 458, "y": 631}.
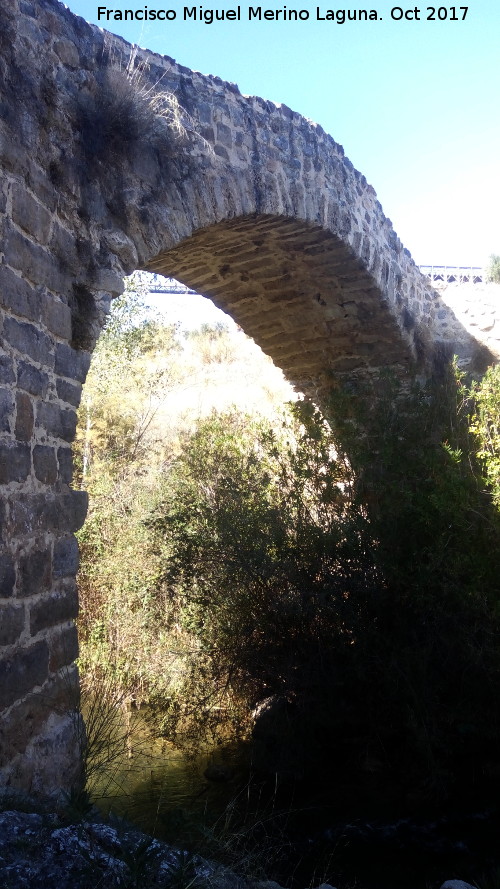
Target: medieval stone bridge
{"x": 242, "y": 200}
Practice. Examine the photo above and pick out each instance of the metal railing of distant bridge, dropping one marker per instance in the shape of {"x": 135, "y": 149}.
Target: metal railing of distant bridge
{"x": 454, "y": 274}
{"x": 448, "y": 274}
{"x": 159, "y": 284}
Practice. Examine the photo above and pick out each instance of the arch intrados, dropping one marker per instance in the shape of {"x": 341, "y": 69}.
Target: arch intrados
{"x": 297, "y": 290}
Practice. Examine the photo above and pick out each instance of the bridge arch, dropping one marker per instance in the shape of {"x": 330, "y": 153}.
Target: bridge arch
{"x": 247, "y": 201}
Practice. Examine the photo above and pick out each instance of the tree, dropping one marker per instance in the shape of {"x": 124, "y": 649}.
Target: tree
{"x": 126, "y": 384}
{"x": 493, "y": 269}
{"x": 351, "y": 604}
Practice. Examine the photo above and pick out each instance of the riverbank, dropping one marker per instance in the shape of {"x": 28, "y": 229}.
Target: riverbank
{"x": 44, "y": 850}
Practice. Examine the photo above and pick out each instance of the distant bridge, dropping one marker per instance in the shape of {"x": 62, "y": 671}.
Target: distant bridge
{"x": 159, "y": 284}
{"x": 454, "y": 274}
{"x": 449, "y": 274}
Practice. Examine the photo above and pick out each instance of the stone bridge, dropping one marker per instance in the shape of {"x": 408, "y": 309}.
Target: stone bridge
{"x": 243, "y": 200}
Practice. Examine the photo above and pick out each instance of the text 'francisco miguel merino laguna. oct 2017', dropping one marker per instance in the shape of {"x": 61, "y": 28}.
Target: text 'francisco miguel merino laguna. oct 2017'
{"x": 283, "y": 14}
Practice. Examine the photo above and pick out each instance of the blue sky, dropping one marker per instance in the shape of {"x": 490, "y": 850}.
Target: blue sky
{"x": 414, "y": 102}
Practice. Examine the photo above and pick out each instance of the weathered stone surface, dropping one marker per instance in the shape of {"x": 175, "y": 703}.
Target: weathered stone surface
{"x": 45, "y": 851}
{"x": 45, "y": 464}
{"x": 7, "y": 574}
{"x": 65, "y": 460}
{"x": 22, "y": 671}
{"x": 35, "y": 572}
{"x": 69, "y": 392}
{"x": 29, "y": 341}
{"x": 25, "y": 725}
{"x": 17, "y": 295}
{"x": 56, "y": 316}
{"x": 58, "y": 422}
{"x": 456, "y": 884}
{"x": 29, "y": 214}
{"x": 63, "y": 644}
{"x": 34, "y": 513}
{"x": 32, "y": 379}
{"x": 24, "y": 417}
{"x": 66, "y": 557}
{"x": 15, "y": 462}
{"x": 38, "y": 740}
{"x": 11, "y": 623}
{"x": 71, "y": 363}
{"x": 7, "y": 374}
{"x": 55, "y": 609}
{"x": 6, "y": 410}
{"x": 36, "y": 262}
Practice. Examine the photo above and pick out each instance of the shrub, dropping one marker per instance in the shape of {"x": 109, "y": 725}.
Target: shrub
{"x": 126, "y": 111}
{"x": 362, "y": 609}
{"x": 486, "y": 427}
{"x": 493, "y": 269}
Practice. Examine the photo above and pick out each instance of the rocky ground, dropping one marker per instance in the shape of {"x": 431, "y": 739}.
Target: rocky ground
{"x": 46, "y": 852}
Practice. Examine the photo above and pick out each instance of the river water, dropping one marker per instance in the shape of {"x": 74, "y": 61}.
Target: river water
{"x": 214, "y": 804}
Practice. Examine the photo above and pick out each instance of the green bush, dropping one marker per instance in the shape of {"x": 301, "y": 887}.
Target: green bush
{"x": 363, "y": 605}
{"x": 251, "y": 561}
{"x": 486, "y": 427}
{"x": 493, "y": 269}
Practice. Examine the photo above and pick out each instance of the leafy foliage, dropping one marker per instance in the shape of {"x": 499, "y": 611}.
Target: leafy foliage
{"x": 348, "y": 603}
{"x": 493, "y": 270}
{"x": 486, "y": 427}
{"x": 243, "y": 575}
{"x": 125, "y": 440}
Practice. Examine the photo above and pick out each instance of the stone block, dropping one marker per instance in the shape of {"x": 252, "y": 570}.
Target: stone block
{"x": 31, "y": 379}
{"x": 17, "y": 295}
{"x": 29, "y": 341}
{"x": 23, "y": 671}
{"x": 67, "y": 52}
{"x": 34, "y": 513}
{"x": 66, "y": 558}
{"x": 35, "y": 262}
{"x": 71, "y": 363}
{"x": 29, "y": 215}
{"x": 44, "y": 189}
{"x": 29, "y": 514}
{"x": 6, "y": 410}
{"x": 15, "y": 462}
{"x": 58, "y": 422}
{"x": 7, "y": 574}
{"x": 24, "y": 417}
{"x": 69, "y": 392}
{"x": 11, "y": 623}
{"x": 39, "y": 749}
{"x": 7, "y": 374}
{"x": 109, "y": 280}
{"x": 35, "y": 573}
{"x": 55, "y": 609}
{"x": 224, "y": 135}
{"x": 3, "y": 519}
{"x": 56, "y": 316}
{"x": 45, "y": 464}
{"x": 65, "y": 460}
{"x": 63, "y": 248}
{"x": 63, "y": 647}
{"x": 12, "y": 154}
{"x": 74, "y": 510}
{"x": 27, "y": 716}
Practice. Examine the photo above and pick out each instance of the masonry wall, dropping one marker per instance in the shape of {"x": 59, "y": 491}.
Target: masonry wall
{"x": 246, "y": 201}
